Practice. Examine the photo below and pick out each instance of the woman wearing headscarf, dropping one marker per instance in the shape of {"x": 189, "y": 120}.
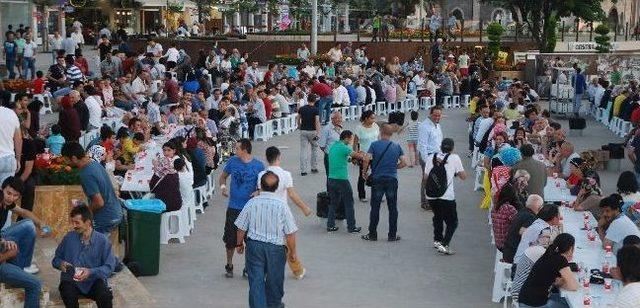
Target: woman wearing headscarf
{"x": 165, "y": 182}
{"x": 589, "y": 196}
{"x": 501, "y": 171}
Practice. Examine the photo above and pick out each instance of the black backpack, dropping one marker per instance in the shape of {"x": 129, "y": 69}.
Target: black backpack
{"x": 436, "y": 184}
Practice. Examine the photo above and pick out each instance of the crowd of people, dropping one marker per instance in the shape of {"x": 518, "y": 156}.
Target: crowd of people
{"x": 511, "y": 138}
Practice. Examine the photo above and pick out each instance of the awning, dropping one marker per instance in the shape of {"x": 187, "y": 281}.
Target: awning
{"x": 163, "y": 3}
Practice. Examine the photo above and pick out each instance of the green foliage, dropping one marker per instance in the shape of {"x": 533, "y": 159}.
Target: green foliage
{"x": 542, "y": 15}
{"x": 494, "y": 33}
{"x": 602, "y": 39}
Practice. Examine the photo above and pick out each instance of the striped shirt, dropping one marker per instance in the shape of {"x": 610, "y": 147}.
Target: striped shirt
{"x": 74, "y": 73}
{"x": 266, "y": 218}
{"x": 524, "y": 267}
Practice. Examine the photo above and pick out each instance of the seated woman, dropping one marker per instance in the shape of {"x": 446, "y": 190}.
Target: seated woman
{"x": 530, "y": 257}
{"x": 544, "y": 274}
{"x": 628, "y": 189}
{"x": 165, "y": 183}
{"x": 589, "y": 196}
{"x": 519, "y": 138}
{"x": 186, "y": 182}
{"x": 502, "y": 214}
{"x": 501, "y": 169}
{"x": 575, "y": 175}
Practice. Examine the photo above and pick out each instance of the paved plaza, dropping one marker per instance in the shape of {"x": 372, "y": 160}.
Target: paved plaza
{"x": 342, "y": 269}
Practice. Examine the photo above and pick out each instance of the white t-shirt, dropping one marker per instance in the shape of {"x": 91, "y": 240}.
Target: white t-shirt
{"x": 285, "y": 181}
{"x": 155, "y": 49}
{"x": 620, "y": 228}
{"x": 172, "y": 54}
{"x": 95, "y": 111}
{"x": 453, "y": 166}
{"x": 138, "y": 86}
{"x": 463, "y": 61}
{"x": 629, "y": 297}
{"x": 10, "y": 124}
{"x": 30, "y": 49}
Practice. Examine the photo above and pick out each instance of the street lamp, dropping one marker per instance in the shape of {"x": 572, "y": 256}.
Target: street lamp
{"x": 314, "y": 27}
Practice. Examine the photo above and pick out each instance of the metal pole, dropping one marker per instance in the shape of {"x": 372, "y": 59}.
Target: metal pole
{"x": 591, "y": 31}
{"x": 462, "y": 30}
{"x": 335, "y": 30}
{"x": 626, "y": 31}
{"x": 480, "y": 30}
{"x": 516, "y": 32}
{"x": 562, "y": 32}
{"x": 421, "y": 30}
{"x": 577, "y": 28}
{"x": 615, "y": 33}
{"x": 358, "y": 29}
{"x": 314, "y": 27}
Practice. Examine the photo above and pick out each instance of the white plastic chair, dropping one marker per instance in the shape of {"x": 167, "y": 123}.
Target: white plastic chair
{"x": 501, "y": 282}
{"x": 446, "y": 102}
{"x": 46, "y": 103}
{"x": 456, "y": 101}
{"x": 261, "y": 131}
{"x": 465, "y": 100}
{"x": 381, "y": 108}
{"x": 200, "y": 198}
{"x": 175, "y": 230}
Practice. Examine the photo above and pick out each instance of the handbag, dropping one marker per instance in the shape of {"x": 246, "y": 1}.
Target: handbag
{"x": 369, "y": 181}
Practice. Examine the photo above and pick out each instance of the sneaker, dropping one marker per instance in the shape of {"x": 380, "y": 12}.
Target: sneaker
{"x": 355, "y": 230}
{"x": 363, "y": 200}
{"x": 332, "y": 229}
{"x": 436, "y": 244}
{"x": 32, "y": 269}
{"x": 394, "y": 239}
{"x": 369, "y": 237}
{"x": 314, "y": 170}
{"x": 439, "y": 246}
{"x": 299, "y": 277}
{"x": 446, "y": 250}
{"x": 244, "y": 273}
{"x": 228, "y": 271}
{"x": 303, "y": 174}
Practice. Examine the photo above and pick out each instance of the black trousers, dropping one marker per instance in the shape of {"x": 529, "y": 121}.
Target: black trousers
{"x": 326, "y": 168}
{"x": 444, "y": 212}
{"x": 362, "y": 192}
{"x": 99, "y": 292}
{"x": 252, "y": 121}
{"x": 28, "y": 195}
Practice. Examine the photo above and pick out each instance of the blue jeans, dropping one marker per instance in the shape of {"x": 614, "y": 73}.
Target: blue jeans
{"x": 126, "y": 106}
{"x": 340, "y": 192}
{"x": 24, "y": 234}
{"x": 577, "y": 102}
{"x": 29, "y": 64}
{"x": 16, "y": 277}
{"x": 265, "y": 267}
{"x": 61, "y": 92}
{"x": 7, "y": 167}
{"x": 11, "y": 64}
{"x": 324, "y": 107}
{"x": 554, "y": 301}
{"x": 384, "y": 186}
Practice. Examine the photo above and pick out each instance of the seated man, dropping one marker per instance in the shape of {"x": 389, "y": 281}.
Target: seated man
{"x": 23, "y": 232}
{"x": 86, "y": 261}
{"x": 614, "y": 225}
{"x": 14, "y": 276}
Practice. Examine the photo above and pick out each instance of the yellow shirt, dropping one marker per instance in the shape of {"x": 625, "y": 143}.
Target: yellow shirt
{"x": 129, "y": 149}
{"x": 511, "y": 114}
{"x": 617, "y": 104}
{"x": 472, "y": 105}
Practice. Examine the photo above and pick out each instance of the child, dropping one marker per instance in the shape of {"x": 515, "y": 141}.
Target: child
{"x": 38, "y": 83}
{"x": 55, "y": 140}
{"x": 412, "y": 139}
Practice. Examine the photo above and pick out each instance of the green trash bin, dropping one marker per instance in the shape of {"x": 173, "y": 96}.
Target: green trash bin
{"x": 144, "y": 234}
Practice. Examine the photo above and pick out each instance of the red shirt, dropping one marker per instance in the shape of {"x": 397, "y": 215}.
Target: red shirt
{"x": 267, "y": 107}
{"x": 38, "y": 86}
{"x": 127, "y": 65}
{"x": 173, "y": 90}
{"x": 501, "y": 220}
{"x": 83, "y": 65}
{"x": 321, "y": 89}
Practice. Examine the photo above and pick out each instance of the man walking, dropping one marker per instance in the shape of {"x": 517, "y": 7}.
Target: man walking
{"x": 339, "y": 187}
{"x": 429, "y": 141}
{"x": 387, "y": 158}
{"x": 330, "y": 134}
{"x": 444, "y": 206}
{"x": 285, "y": 189}
{"x": 309, "y": 124}
{"x": 268, "y": 224}
{"x": 10, "y": 52}
{"x": 244, "y": 170}
{"x": 579, "y": 85}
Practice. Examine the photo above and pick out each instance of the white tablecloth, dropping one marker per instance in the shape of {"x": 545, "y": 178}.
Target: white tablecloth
{"x": 556, "y": 190}
{"x": 591, "y": 255}
{"x": 137, "y": 180}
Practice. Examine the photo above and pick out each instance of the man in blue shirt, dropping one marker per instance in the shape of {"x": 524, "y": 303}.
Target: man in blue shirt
{"x": 10, "y": 52}
{"x": 244, "y": 170}
{"x": 103, "y": 202}
{"x": 387, "y": 158}
{"x": 86, "y": 261}
{"x": 579, "y": 84}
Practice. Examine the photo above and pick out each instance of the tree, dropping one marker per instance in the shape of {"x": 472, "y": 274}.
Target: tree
{"x": 494, "y": 33}
{"x": 542, "y": 16}
{"x": 602, "y": 39}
